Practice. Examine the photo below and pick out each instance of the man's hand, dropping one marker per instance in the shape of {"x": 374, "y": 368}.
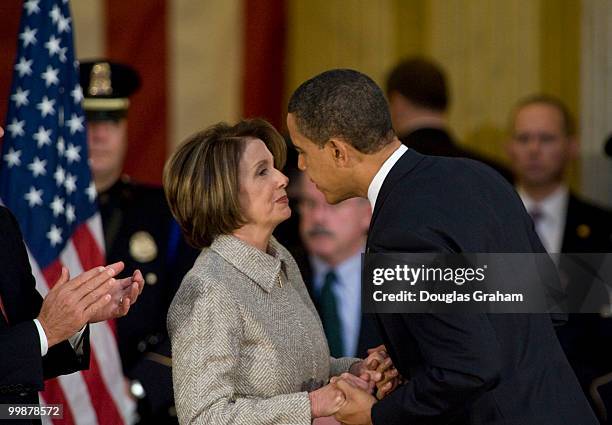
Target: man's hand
{"x": 124, "y": 293}
{"x": 356, "y": 410}
{"x": 325, "y": 401}
{"x": 70, "y": 304}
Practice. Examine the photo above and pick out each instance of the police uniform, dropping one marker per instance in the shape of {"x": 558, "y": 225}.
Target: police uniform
{"x": 139, "y": 230}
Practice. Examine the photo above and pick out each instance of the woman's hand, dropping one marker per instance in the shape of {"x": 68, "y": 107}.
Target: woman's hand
{"x": 325, "y": 401}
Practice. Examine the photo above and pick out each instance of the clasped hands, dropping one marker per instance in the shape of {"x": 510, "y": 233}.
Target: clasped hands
{"x": 349, "y": 397}
{"x": 92, "y": 296}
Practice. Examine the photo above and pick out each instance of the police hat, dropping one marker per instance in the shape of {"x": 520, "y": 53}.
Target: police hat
{"x": 106, "y": 89}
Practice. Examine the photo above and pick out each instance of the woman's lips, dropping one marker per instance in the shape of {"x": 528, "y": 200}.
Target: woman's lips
{"x": 283, "y": 200}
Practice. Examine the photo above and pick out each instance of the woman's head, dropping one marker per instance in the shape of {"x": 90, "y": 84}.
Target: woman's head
{"x": 226, "y": 177}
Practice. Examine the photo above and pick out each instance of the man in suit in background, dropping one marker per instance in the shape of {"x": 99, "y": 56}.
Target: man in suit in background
{"x": 44, "y": 338}
{"x": 418, "y": 96}
{"x": 460, "y": 368}
{"x": 139, "y": 228}
{"x": 541, "y": 146}
{"x": 334, "y": 238}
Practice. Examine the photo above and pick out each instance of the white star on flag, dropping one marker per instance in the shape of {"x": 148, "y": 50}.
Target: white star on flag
{"x": 70, "y": 215}
{"x": 91, "y": 192}
{"x": 57, "y": 206}
{"x": 20, "y": 97}
{"x": 13, "y": 158}
{"x": 59, "y": 175}
{"x": 72, "y": 153}
{"x": 63, "y": 24}
{"x": 77, "y": 93}
{"x": 70, "y": 183}
{"x": 38, "y": 167}
{"x": 32, "y": 6}
{"x": 42, "y": 137}
{"x": 53, "y": 45}
{"x": 62, "y": 54}
{"x": 55, "y": 14}
{"x": 46, "y": 106}
{"x": 34, "y": 197}
{"x": 16, "y": 128}
{"x": 55, "y": 235}
{"x": 75, "y": 123}
{"x": 50, "y": 76}
{"x": 24, "y": 67}
{"x": 28, "y": 36}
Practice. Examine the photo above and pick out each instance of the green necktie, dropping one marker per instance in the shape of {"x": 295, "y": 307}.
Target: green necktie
{"x": 328, "y": 308}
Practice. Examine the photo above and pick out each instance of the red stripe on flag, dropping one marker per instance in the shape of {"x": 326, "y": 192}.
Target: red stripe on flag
{"x": 86, "y": 246}
{"x": 103, "y": 403}
{"x": 52, "y": 272}
{"x": 54, "y": 394}
{"x": 263, "y": 84}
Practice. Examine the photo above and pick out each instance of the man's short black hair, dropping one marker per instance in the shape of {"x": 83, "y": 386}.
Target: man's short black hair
{"x": 421, "y": 81}
{"x": 342, "y": 103}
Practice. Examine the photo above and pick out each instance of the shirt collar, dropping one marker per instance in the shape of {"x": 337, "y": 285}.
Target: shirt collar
{"x": 346, "y": 268}
{"x": 379, "y": 178}
{"x": 552, "y": 206}
{"x": 261, "y": 267}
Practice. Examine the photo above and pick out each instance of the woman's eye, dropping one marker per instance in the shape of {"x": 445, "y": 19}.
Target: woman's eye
{"x": 263, "y": 172}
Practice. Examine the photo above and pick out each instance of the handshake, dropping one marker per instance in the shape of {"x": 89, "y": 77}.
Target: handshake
{"x": 349, "y": 397}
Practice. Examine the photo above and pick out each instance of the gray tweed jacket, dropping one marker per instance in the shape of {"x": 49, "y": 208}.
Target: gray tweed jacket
{"x": 246, "y": 339}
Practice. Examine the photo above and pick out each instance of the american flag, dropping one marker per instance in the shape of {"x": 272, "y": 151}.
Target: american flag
{"x": 46, "y": 181}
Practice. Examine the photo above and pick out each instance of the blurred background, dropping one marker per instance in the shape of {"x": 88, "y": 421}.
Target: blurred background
{"x": 203, "y": 61}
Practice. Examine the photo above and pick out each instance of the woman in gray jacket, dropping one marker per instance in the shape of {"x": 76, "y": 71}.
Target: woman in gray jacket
{"x": 247, "y": 344}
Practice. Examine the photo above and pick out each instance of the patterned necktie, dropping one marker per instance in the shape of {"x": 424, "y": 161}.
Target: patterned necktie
{"x": 328, "y": 306}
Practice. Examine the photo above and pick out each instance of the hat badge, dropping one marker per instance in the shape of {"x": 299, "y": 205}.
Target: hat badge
{"x": 100, "y": 80}
{"x": 143, "y": 247}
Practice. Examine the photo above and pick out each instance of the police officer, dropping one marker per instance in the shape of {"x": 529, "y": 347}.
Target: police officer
{"x": 138, "y": 229}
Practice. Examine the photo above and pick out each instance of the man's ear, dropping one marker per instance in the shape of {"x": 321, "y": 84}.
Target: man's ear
{"x": 340, "y": 151}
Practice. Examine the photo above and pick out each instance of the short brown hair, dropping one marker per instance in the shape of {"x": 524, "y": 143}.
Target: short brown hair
{"x": 569, "y": 126}
{"x": 201, "y": 177}
{"x": 421, "y": 81}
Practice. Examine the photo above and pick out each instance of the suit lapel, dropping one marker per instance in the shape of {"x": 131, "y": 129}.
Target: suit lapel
{"x": 402, "y": 167}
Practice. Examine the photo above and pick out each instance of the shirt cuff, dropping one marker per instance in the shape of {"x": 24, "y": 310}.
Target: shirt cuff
{"x": 44, "y": 344}
{"x": 76, "y": 341}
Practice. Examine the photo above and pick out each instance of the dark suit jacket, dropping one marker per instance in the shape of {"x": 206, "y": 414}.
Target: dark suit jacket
{"x": 369, "y": 336}
{"x": 22, "y": 368}
{"x": 587, "y": 338}
{"x": 140, "y": 231}
{"x": 467, "y": 368}
{"x": 438, "y": 142}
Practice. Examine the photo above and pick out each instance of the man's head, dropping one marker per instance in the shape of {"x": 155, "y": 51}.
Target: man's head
{"x": 106, "y": 88}
{"x": 335, "y": 119}
{"x": 416, "y": 87}
{"x": 333, "y": 233}
{"x": 542, "y": 141}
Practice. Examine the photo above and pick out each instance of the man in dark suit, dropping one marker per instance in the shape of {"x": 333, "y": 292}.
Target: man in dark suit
{"x": 334, "y": 238}
{"x": 541, "y": 146}
{"x": 44, "y": 338}
{"x": 139, "y": 228}
{"x": 462, "y": 368}
{"x": 418, "y": 96}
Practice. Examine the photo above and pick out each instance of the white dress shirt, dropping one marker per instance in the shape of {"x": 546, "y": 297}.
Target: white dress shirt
{"x": 380, "y": 177}
{"x": 550, "y": 227}
{"x": 75, "y": 340}
{"x": 348, "y": 295}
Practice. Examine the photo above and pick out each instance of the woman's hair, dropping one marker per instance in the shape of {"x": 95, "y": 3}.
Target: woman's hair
{"x": 201, "y": 177}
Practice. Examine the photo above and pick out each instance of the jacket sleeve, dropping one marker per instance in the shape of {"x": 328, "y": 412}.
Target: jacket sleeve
{"x": 463, "y": 357}
{"x": 206, "y": 330}
{"x": 22, "y": 368}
